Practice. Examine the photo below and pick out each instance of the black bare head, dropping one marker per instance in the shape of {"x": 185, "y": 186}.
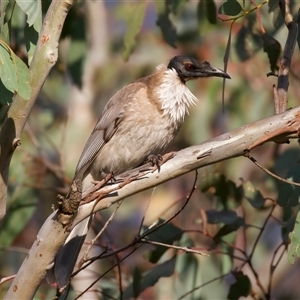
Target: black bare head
{"x": 189, "y": 68}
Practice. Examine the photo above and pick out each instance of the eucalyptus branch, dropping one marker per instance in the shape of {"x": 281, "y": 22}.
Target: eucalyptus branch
{"x": 229, "y": 145}
{"x": 271, "y": 173}
{"x": 45, "y": 57}
{"x": 184, "y": 249}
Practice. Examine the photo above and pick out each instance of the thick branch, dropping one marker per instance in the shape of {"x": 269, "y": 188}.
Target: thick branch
{"x": 229, "y": 145}
{"x": 44, "y": 59}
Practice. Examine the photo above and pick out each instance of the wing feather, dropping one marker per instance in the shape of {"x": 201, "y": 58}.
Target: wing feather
{"x": 107, "y": 125}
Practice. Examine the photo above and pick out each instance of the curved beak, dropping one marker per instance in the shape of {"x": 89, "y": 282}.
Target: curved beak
{"x": 206, "y": 70}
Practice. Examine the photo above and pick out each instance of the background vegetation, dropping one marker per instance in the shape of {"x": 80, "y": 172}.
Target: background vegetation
{"x": 236, "y": 213}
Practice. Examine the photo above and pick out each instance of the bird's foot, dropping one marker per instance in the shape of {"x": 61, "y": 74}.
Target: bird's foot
{"x": 155, "y": 161}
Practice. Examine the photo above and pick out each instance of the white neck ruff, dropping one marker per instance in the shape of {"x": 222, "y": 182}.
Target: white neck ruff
{"x": 174, "y": 95}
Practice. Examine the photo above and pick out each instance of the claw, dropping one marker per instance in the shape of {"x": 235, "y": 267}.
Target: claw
{"x": 154, "y": 160}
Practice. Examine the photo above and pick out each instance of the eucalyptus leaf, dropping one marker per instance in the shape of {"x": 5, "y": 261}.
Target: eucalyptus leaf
{"x": 33, "y": 10}
{"x": 164, "y": 22}
{"x": 166, "y": 234}
{"x": 230, "y": 8}
{"x": 14, "y": 74}
{"x": 134, "y": 23}
{"x": 165, "y": 269}
{"x": 294, "y": 250}
{"x": 241, "y": 288}
{"x": 254, "y": 196}
{"x": 273, "y": 49}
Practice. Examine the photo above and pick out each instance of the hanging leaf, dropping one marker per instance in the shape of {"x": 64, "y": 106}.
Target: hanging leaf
{"x": 6, "y": 95}
{"x": 230, "y": 8}
{"x": 134, "y": 23}
{"x": 4, "y": 30}
{"x": 136, "y": 282}
{"x": 225, "y": 189}
{"x": 207, "y": 9}
{"x": 289, "y": 194}
{"x": 241, "y": 288}
{"x": 176, "y": 5}
{"x": 225, "y": 216}
{"x": 294, "y": 250}
{"x": 248, "y": 42}
{"x": 165, "y": 269}
{"x": 7, "y": 69}
{"x": 19, "y": 214}
{"x": 167, "y": 234}
{"x": 229, "y": 228}
{"x": 254, "y": 196}
{"x": 31, "y": 38}
{"x": 165, "y": 24}
{"x": 33, "y": 10}
{"x": 14, "y": 74}
{"x": 273, "y": 48}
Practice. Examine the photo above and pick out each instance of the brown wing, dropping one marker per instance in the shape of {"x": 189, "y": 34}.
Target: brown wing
{"x": 107, "y": 125}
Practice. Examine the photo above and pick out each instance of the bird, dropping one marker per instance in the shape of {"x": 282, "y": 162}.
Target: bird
{"x": 139, "y": 121}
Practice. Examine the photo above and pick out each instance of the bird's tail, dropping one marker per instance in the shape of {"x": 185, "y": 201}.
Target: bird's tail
{"x": 67, "y": 256}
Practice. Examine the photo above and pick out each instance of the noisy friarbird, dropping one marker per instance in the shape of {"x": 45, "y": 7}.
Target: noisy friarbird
{"x": 140, "y": 120}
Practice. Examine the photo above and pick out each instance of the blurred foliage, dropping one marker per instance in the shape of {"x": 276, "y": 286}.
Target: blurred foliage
{"x": 243, "y": 218}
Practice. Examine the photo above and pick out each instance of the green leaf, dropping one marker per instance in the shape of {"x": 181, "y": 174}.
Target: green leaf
{"x": 6, "y": 95}
{"x": 31, "y": 38}
{"x": 273, "y": 48}
{"x": 207, "y": 9}
{"x": 176, "y": 5}
{"x": 224, "y": 216}
{"x": 241, "y": 288}
{"x": 3, "y": 5}
{"x": 230, "y": 8}
{"x": 229, "y": 228}
{"x": 167, "y": 234}
{"x": 33, "y": 10}
{"x": 248, "y": 42}
{"x": 14, "y": 73}
{"x": 294, "y": 250}
{"x": 134, "y": 23}
{"x": 187, "y": 268}
{"x": 289, "y": 194}
{"x": 254, "y": 196}
{"x": 165, "y": 24}
{"x": 288, "y": 220}
{"x": 165, "y": 269}
{"x": 76, "y": 58}
{"x": 136, "y": 284}
{"x": 19, "y": 213}
{"x": 23, "y": 78}
{"x": 5, "y": 33}
{"x": 225, "y": 189}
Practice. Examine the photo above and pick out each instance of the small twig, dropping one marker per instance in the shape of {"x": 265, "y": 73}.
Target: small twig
{"x": 107, "y": 271}
{"x": 269, "y": 172}
{"x": 84, "y": 258}
{"x": 276, "y": 100}
{"x": 155, "y": 228}
{"x": 261, "y": 231}
{"x": 185, "y": 249}
{"x": 8, "y": 278}
{"x": 202, "y": 285}
{"x": 146, "y": 209}
{"x": 273, "y": 265}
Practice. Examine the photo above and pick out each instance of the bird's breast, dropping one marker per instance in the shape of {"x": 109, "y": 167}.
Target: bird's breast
{"x": 137, "y": 136}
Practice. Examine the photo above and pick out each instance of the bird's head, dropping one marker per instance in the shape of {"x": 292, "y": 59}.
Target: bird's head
{"x": 189, "y": 68}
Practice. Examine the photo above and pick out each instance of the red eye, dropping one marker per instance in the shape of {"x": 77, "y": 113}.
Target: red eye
{"x": 189, "y": 67}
